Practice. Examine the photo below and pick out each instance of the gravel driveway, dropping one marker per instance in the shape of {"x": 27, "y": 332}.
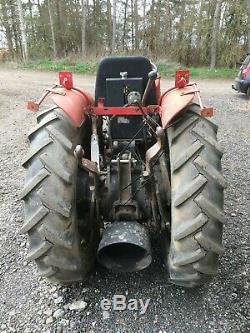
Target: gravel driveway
{"x": 31, "y": 304}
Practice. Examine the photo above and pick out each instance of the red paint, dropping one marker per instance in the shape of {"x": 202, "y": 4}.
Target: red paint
{"x": 32, "y": 106}
{"x": 102, "y": 110}
{"x": 173, "y": 103}
{"x": 74, "y": 103}
{"x": 66, "y": 79}
{"x": 245, "y": 72}
{"x": 181, "y": 78}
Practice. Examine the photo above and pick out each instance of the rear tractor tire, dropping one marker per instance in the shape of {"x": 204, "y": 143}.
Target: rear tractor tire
{"x": 50, "y": 201}
{"x": 197, "y": 188}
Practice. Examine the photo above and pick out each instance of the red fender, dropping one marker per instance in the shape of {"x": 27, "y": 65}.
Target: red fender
{"x": 173, "y": 102}
{"x": 75, "y": 103}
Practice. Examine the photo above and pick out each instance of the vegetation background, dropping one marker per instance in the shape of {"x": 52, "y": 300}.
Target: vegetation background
{"x": 75, "y": 34}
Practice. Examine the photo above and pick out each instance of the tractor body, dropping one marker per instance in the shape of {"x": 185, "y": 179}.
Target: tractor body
{"x": 129, "y": 173}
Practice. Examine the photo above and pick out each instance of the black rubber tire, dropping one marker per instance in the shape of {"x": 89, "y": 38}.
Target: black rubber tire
{"x": 49, "y": 196}
{"x": 197, "y": 188}
{"x": 248, "y": 92}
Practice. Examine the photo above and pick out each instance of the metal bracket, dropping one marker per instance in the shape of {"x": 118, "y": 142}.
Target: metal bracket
{"x": 90, "y": 166}
{"x": 125, "y": 208}
{"x": 204, "y": 111}
{"x": 34, "y": 105}
{"x": 190, "y": 92}
{"x": 153, "y": 152}
{"x": 95, "y": 153}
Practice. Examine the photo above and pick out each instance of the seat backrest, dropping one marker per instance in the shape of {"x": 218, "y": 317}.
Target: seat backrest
{"x": 136, "y": 67}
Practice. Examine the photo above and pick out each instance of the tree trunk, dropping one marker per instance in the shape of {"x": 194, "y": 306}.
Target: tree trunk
{"x": 199, "y": 25}
{"x": 7, "y": 27}
{"x": 216, "y": 24}
{"x": 23, "y": 31}
{"x": 60, "y": 26}
{"x": 15, "y": 29}
{"x": 83, "y": 29}
{"x": 167, "y": 25}
{"x": 136, "y": 20}
{"x": 144, "y": 42}
{"x": 124, "y": 25}
{"x": 31, "y": 19}
{"x": 109, "y": 26}
{"x": 51, "y": 20}
{"x": 132, "y": 24}
{"x": 248, "y": 36}
{"x": 114, "y": 27}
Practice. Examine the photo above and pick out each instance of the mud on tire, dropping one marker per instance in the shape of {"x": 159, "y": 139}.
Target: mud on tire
{"x": 49, "y": 195}
{"x": 197, "y": 188}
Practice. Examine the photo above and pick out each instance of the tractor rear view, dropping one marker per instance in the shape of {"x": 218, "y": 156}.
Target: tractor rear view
{"x": 104, "y": 174}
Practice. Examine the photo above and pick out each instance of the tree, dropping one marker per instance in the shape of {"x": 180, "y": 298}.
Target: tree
{"x": 109, "y": 26}
{"x": 7, "y": 26}
{"x": 83, "y": 29}
{"x": 114, "y": 27}
{"x": 136, "y": 20}
{"x": 23, "y": 31}
{"x": 168, "y": 23}
{"x": 51, "y": 20}
{"x": 248, "y": 20}
{"x": 194, "y": 32}
{"x": 216, "y": 24}
{"x": 124, "y": 32}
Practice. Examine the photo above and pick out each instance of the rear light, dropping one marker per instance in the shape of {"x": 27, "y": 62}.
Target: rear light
{"x": 66, "y": 79}
{"x": 245, "y": 72}
{"x": 181, "y": 78}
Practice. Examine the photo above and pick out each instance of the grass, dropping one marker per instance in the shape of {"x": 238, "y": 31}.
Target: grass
{"x": 89, "y": 68}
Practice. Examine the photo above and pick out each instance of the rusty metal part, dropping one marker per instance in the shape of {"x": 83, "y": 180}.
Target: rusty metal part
{"x": 162, "y": 209}
{"x": 90, "y": 166}
{"x": 153, "y": 152}
{"x": 125, "y": 247}
{"x": 204, "y": 111}
{"x": 95, "y": 151}
{"x": 190, "y": 92}
{"x": 34, "y": 105}
{"x": 124, "y": 176}
{"x": 125, "y": 208}
{"x": 163, "y": 190}
{"x": 54, "y": 91}
{"x": 207, "y": 112}
{"x": 165, "y": 178}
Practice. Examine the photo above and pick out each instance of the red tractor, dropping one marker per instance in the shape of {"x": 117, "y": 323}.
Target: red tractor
{"x": 103, "y": 175}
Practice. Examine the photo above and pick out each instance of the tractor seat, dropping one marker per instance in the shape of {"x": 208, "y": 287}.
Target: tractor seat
{"x": 111, "y": 67}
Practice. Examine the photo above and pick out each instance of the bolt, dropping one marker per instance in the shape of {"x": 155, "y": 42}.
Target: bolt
{"x": 79, "y": 152}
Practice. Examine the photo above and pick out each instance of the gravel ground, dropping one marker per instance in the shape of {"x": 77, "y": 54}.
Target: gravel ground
{"x": 31, "y": 304}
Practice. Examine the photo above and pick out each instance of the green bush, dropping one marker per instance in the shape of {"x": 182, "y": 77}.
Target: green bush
{"x": 89, "y": 68}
